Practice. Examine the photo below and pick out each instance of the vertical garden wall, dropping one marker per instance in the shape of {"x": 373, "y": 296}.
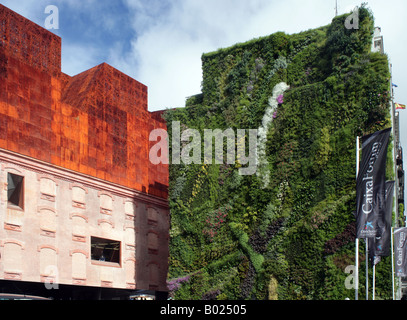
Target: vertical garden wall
{"x": 286, "y": 232}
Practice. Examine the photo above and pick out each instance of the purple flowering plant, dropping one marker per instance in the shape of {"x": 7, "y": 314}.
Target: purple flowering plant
{"x": 174, "y": 284}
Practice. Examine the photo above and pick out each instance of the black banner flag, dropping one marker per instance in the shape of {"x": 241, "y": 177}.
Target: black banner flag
{"x": 380, "y": 246}
{"x": 370, "y": 185}
{"x": 400, "y": 236}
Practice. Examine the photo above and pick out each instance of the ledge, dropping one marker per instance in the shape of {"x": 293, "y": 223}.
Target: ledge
{"x": 106, "y": 264}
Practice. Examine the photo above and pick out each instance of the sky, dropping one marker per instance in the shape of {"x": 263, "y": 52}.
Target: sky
{"x": 160, "y": 42}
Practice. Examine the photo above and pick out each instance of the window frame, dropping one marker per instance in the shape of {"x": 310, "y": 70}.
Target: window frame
{"x": 115, "y": 263}
{"x": 21, "y": 196}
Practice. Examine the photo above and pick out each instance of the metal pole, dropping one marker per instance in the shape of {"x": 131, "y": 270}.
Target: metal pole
{"x": 357, "y": 270}
{"x": 357, "y": 240}
{"x": 396, "y": 191}
{"x": 395, "y": 146}
{"x": 367, "y": 268}
{"x": 374, "y": 280}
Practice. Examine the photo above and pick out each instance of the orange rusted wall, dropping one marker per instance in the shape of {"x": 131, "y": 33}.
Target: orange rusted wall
{"x": 96, "y": 122}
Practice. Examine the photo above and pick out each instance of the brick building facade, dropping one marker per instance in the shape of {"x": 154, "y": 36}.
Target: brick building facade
{"x": 81, "y": 205}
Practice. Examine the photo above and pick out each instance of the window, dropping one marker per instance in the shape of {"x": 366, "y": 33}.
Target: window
{"x": 15, "y": 190}
{"x": 105, "y": 250}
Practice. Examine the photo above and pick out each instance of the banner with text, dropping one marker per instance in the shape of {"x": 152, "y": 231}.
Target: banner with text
{"x": 380, "y": 246}
{"x": 370, "y": 185}
{"x": 400, "y": 260}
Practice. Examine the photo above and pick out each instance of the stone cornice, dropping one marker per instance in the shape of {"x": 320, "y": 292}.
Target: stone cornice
{"x": 45, "y": 168}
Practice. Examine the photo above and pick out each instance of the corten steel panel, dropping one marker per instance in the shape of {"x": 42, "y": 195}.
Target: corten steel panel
{"x": 96, "y": 122}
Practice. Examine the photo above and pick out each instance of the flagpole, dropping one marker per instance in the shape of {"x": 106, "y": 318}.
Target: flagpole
{"x": 357, "y": 239}
{"x": 357, "y": 269}
{"x": 374, "y": 280}
{"x": 367, "y": 268}
{"x": 395, "y": 142}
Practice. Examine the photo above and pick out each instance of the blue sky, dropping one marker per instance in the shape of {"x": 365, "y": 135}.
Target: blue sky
{"x": 160, "y": 42}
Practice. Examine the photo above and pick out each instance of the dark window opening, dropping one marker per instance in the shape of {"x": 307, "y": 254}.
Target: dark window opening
{"x": 15, "y": 190}
{"x": 105, "y": 250}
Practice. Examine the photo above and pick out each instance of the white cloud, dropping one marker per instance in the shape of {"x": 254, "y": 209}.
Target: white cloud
{"x": 166, "y": 55}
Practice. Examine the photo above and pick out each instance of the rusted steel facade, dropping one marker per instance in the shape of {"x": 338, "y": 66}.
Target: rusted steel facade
{"x": 76, "y": 150}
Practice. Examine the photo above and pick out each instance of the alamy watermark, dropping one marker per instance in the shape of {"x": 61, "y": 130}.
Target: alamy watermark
{"x": 352, "y": 21}
{"x": 351, "y": 282}
{"x": 51, "y": 278}
{"x": 51, "y": 21}
{"x": 187, "y": 147}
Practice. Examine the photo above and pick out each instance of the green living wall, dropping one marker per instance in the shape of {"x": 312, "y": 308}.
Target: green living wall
{"x": 286, "y": 232}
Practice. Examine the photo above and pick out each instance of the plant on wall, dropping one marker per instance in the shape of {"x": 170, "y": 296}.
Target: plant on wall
{"x": 285, "y": 232}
